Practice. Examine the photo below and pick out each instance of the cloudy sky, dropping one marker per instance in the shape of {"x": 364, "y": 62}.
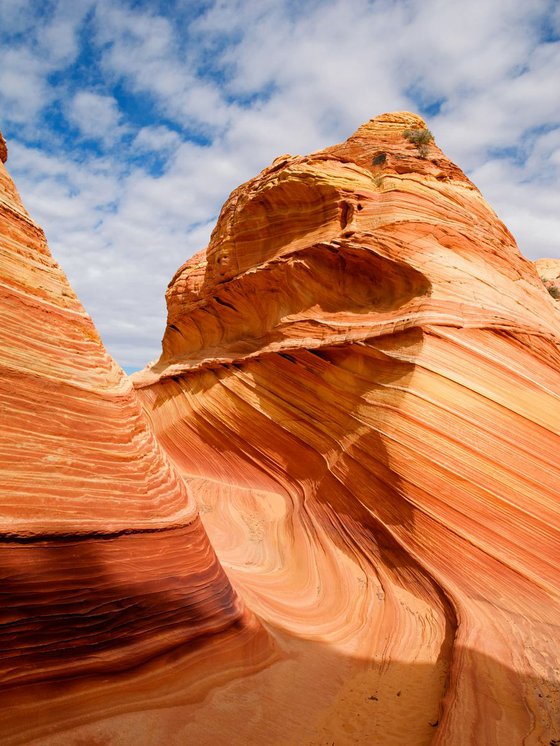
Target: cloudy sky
{"x": 128, "y": 123}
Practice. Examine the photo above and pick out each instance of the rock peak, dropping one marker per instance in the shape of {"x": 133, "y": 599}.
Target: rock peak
{"x": 363, "y": 341}
{"x": 404, "y": 118}
{"x": 390, "y": 123}
{"x": 84, "y": 510}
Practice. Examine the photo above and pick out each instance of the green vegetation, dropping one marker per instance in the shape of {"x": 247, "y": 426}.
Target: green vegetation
{"x": 420, "y": 138}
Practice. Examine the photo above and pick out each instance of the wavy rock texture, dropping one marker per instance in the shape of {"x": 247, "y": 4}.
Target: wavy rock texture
{"x": 104, "y": 563}
{"x": 360, "y": 382}
{"x": 360, "y": 379}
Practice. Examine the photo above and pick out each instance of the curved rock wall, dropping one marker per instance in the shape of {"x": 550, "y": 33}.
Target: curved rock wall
{"x": 360, "y": 378}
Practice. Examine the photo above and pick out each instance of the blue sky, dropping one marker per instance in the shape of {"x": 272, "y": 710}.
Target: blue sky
{"x": 128, "y": 123}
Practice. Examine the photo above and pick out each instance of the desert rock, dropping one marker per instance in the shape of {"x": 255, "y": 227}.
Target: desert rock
{"x": 360, "y": 380}
{"x": 104, "y": 563}
{"x": 359, "y": 391}
{"x": 3, "y": 149}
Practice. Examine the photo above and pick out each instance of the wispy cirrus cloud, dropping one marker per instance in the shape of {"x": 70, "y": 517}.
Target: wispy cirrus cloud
{"x": 130, "y": 122}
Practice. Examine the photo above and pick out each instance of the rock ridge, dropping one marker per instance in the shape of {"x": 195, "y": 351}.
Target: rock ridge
{"x": 3, "y": 149}
{"x": 104, "y": 563}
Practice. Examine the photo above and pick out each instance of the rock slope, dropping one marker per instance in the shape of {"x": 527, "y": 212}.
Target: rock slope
{"x": 361, "y": 380}
{"x": 104, "y": 563}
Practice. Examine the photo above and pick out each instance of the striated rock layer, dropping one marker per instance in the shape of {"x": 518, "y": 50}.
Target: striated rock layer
{"x": 360, "y": 379}
{"x": 104, "y": 563}
{"x": 360, "y": 383}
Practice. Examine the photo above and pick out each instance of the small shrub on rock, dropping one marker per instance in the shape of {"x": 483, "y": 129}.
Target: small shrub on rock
{"x": 553, "y": 287}
{"x": 421, "y": 138}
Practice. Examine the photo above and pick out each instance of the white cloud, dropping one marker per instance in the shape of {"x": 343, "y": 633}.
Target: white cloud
{"x": 212, "y": 97}
{"x": 35, "y": 42}
{"x": 97, "y": 116}
{"x": 57, "y": 33}
{"x": 145, "y": 51}
{"x": 23, "y": 91}
{"x": 157, "y": 138}
{"x": 17, "y": 16}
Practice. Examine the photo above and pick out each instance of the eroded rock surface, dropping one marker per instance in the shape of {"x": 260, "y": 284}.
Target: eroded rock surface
{"x": 104, "y": 563}
{"x": 360, "y": 384}
{"x": 360, "y": 378}
{"x": 3, "y": 149}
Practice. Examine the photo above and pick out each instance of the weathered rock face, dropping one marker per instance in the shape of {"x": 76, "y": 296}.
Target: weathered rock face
{"x": 104, "y": 563}
{"x": 361, "y": 379}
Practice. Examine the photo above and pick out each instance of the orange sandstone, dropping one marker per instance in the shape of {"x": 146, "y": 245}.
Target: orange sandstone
{"x": 3, "y": 149}
{"x": 360, "y": 384}
{"x": 104, "y": 563}
{"x": 360, "y": 378}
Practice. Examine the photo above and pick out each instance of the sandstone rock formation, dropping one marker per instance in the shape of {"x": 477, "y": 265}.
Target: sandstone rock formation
{"x": 360, "y": 383}
{"x": 360, "y": 379}
{"x": 104, "y": 563}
